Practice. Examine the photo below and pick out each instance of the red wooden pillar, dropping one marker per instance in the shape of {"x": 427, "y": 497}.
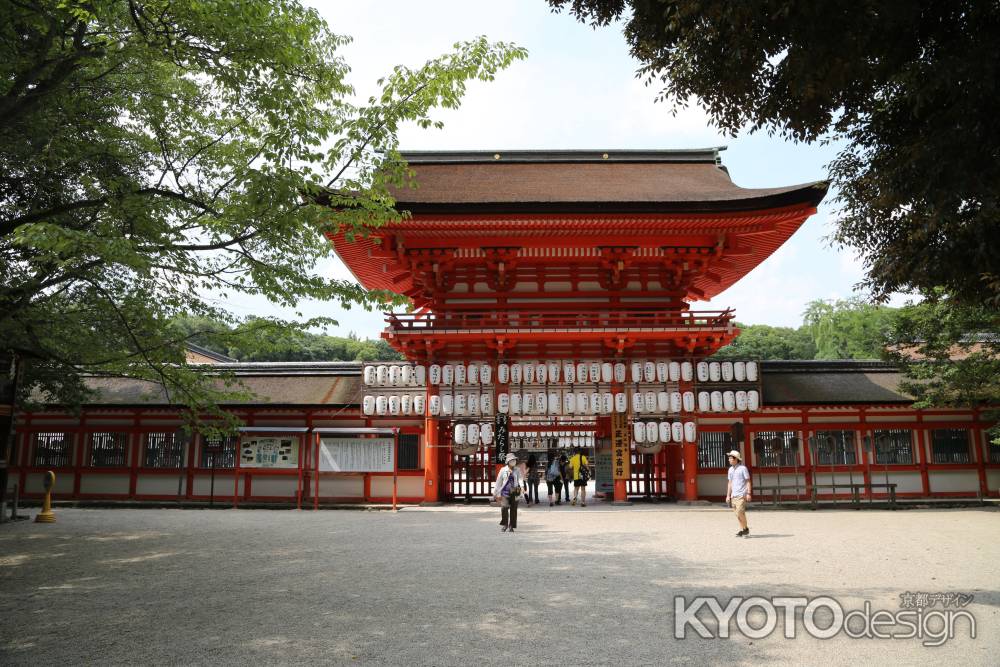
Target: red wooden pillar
{"x": 136, "y": 439}
{"x": 690, "y": 451}
{"x": 980, "y": 454}
{"x": 432, "y": 472}
{"x": 923, "y": 437}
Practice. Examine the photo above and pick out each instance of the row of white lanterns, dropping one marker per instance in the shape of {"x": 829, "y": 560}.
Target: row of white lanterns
{"x": 643, "y": 432}
{"x": 471, "y": 434}
{"x": 568, "y": 403}
{"x": 550, "y": 373}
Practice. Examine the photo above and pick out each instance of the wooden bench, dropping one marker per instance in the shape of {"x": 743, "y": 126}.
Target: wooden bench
{"x": 856, "y": 490}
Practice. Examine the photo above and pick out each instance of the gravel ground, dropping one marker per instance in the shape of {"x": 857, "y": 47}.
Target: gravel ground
{"x": 443, "y": 586}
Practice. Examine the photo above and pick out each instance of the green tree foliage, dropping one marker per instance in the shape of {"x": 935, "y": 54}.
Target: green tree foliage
{"x": 760, "y": 341}
{"x": 945, "y": 363}
{"x": 157, "y": 155}
{"x": 848, "y": 328}
{"x": 259, "y": 339}
{"x": 910, "y": 87}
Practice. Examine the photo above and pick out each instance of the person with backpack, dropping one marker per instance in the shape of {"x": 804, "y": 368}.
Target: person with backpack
{"x": 534, "y": 479}
{"x": 506, "y": 491}
{"x": 565, "y": 474}
{"x": 581, "y": 475}
{"x": 553, "y": 478}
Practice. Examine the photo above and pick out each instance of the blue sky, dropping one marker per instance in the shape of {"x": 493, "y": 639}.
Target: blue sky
{"x": 578, "y": 90}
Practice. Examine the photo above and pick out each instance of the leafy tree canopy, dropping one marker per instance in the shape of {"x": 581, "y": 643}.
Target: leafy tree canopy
{"x": 760, "y": 341}
{"x": 158, "y": 155}
{"x": 910, "y": 87}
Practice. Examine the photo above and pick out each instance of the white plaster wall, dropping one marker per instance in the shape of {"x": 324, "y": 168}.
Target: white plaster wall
{"x": 406, "y": 486}
{"x": 958, "y": 480}
{"x": 35, "y": 483}
{"x": 342, "y": 486}
{"x": 711, "y": 485}
{"x": 274, "y": 486}
{"x": 160, "y": 485}
{"x": 223, "y": 484}
{"x": 104, "y": 484}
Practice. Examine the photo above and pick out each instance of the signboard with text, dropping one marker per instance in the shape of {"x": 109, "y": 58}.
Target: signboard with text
{"x": 620, "y": 442}
{"x": 501, "y": 438}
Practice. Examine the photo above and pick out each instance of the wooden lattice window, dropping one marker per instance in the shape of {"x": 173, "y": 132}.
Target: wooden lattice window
{"x": 163, "y": 450}
{"x": 53, "y": 450}
{"x": 222, "y": 450}
{"x": 712, "y": 448}
{"x": 776, "y": 448}
{"x": 892, "y": 446}
{"x": 409, "y": 452}
{"x": 109, "y": 450}
{"x": 950, "y": 445}
{"x": 836, "y": 448}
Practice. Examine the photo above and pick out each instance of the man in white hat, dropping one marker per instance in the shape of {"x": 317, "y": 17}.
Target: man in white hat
{"x": 506, "y": 490}
{"x": 738, "y": 490}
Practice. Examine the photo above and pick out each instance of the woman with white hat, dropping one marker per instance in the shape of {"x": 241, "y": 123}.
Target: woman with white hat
{"x": 506, "y": 491}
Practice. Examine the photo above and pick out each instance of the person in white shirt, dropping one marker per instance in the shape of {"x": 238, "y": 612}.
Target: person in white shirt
{"x": 506, "y": 491}
{"x": 738, "y": 490}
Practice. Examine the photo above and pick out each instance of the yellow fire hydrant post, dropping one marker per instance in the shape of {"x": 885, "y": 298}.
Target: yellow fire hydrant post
{"x": 46, "y": 515}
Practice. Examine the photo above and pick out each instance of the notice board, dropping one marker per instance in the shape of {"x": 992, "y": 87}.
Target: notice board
{"x": 356, "y": 454}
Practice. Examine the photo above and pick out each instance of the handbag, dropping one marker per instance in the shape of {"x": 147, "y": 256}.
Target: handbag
{"x": 584, "y": 472}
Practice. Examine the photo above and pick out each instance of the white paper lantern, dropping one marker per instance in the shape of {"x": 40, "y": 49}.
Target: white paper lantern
{"x": 381, "y": 405}
{"x": 569, "y": 403}
{"x": 677, "y": 432}
{"x": 458, "y": 434}
{"x": 381, "y": 375}
{"x": 704, "y": 402}
{"x": 690, "y": 432}
{"x": 687, "y": 371}
{"x": 664, "y": 432}
{"x": 528, "y": 373}
{"x": 486, "y": 403}
{"x": 702, "y": 371}
{"x": 420, "y": 375}
{"x": 486, "y": 433}
{"x": 406, "y": 404}
{"x": 542, "y": 373}
{"x": 607, "y": 372}
{"x": 503, "y": 403}
{"x": 461, "y": 404}
{"x": 395, "y": 376}
{"x": 369, "y": 375}
{"x": 541, "y": 403}
{"x": 447, "y": 405}
{"x": 515, "y": 403}
{"x": 674, "y": 372}
{"x": 419, "y": 404}
{"x": 408, "y": 375}
{"x": 607, "y": 403}
{"x": 741, "y": 401}
{"x": 649, "y": 371}
{"x": 594, "y": 371}
{"x": 638, "y": 403}
{"x": 751, "y": 371}
{"x": 594, "y": 403}
{"x": 554, "y": 403}
{"x": 472, "y": 374}
{"x": 661, "y": 371}
{"x": 472, "y": 434}
{"x": 639, "y": 432}
{"x": 473, "y": 402}
{"x": 582, "y": 404}
{"x": 447, "y": 374}
{"x": 649, "y": 402}
{"x": 553, "y": 371}
{"x": 528, "y": 403}
{"x": 569, "y": 372}
{"x": 727, "y": 371}
{"x": 675, "y": 402}
{"x": 503, "y": 373}
{"x": 619, "y": 372}
{"x": 434, "y": 374}
{"x": 729, "y": 401}
{"x": 515, "y": 373}
{"x": 434, "y": 405}
{"x": 714, "y": 371}
{"x": 688, "y": 401}
{"x": 460, "y": 377}
{"x": 739, "y": 371}
{"x": 485, "y": 374}
{"x": 753, "y": 400}
{"x": 652, "y": 432}
{"x": 663, "y": 401}
{"x": 621, "y": 403}
{"x": 716, "y": 401}
{"x": 368, "y": 404}
{"x": 581, "y": 373}
{"x": 636, "y": 371}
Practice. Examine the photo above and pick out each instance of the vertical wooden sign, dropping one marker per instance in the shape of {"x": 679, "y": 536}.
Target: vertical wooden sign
{"x": 500, "y": 438}
{"x": 620, "y": 441}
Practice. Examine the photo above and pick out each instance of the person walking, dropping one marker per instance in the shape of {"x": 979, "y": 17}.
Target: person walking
{"x": 565, "y": 474}
{"x": 738, "y": 490}
{"x": 506, "y": 491}
{"x": 581, "y": 475}
{"x": 533, "y": 479}
{"x": 553, "y": 478}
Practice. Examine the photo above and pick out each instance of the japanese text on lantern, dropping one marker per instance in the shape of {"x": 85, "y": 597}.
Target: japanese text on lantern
{"x": 620, "y": 445}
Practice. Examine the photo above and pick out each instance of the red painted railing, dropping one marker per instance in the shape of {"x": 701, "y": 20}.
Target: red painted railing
{"x": 528, "y": 319}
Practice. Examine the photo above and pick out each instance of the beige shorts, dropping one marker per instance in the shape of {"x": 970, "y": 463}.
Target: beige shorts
{"x": 740, "y": 505}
